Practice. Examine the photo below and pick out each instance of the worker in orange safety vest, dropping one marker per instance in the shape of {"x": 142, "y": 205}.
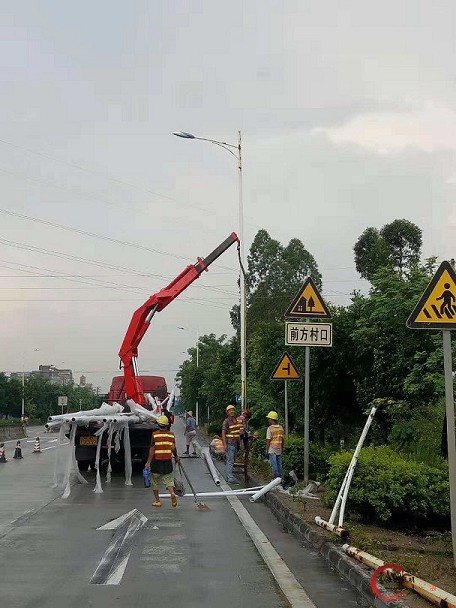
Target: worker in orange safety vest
{"x": 162, "y": 450}
{"x": 274, "y": 443}
{"x": 231, "y": 437}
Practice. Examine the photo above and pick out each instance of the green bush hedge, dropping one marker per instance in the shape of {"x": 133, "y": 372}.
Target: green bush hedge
{"x": 387, "y": 488}
{"x": 10, "y": 422}
{"x": 293, "y": 456}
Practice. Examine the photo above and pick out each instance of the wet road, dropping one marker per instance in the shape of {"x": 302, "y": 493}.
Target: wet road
{"x": 52, "y": 554}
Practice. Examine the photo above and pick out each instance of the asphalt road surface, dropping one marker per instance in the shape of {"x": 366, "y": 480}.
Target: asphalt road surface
{"x": 52, "y": 553}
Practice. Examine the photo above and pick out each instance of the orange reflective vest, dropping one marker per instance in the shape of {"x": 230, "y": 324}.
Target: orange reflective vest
{"x": 234, "y": 428}
{"x": 277, "y": 435}
{"x": 163, "y": 443}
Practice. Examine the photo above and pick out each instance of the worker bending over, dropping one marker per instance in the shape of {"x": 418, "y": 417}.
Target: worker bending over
{"x": 162, "y": 449}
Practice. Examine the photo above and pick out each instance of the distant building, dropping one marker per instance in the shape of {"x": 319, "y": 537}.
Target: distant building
{"x": 50, "y": 372}
{"x": 82, "y": 380}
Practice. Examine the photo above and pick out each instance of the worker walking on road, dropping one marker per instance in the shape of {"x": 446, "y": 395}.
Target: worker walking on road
{"x": 231, "y": 431}
{"x": 162, "y": 449}
{"x": 190, "y": 432}
{"x": 274, "y": 443}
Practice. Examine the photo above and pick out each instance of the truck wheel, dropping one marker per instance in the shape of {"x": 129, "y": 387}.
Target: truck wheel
{"x": 83, "y": 465}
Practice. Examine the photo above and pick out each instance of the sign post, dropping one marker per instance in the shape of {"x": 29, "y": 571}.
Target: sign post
{"x": 437, "y": 310}
{"x": 307, "y": 304}
{"x": 286, "y": 370}
{"x": 62, "y": 401}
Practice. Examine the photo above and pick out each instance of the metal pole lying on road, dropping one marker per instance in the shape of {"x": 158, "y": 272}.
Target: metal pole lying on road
{"x": 208, "y": 458}
{"x": 274, "y": 483}
{"x": 449, "y": 401}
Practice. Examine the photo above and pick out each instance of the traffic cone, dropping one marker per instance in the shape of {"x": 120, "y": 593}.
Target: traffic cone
{"x": 18, "y": 450}
{"x": 2, "y": 453}
{"x": 37, "y": 447}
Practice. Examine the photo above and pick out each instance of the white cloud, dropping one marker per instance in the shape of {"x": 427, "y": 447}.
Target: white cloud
{"x": 430, "y": 129}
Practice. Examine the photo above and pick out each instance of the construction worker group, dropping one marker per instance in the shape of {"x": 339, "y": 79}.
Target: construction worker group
{"x": 235, "y": 431}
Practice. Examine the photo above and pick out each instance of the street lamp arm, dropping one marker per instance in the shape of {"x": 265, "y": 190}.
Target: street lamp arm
{"x": 236, "y": 156}
{"x": 219, "y": 143}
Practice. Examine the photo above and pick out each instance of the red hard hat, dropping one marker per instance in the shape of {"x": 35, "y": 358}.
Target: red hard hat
{"x": 247, "y": 413}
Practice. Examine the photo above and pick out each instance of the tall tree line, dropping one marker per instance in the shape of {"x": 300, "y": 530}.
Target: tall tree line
{"x": 374, "y": 355}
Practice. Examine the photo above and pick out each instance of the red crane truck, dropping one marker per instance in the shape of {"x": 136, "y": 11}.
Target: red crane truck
{"x": 133, "y": 386}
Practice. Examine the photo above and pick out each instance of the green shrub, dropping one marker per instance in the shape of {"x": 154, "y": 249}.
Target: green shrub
{"x": 293, "y": 456}
{"x": 387, "y": 488}
{"x": 215, "y": 428}
{"x": 10, "y": 422}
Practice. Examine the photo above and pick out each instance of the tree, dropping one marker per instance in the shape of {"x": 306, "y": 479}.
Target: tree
{"x": 396, "y": 246}
{"x": 370, "y": 253}
{"x": 404, "y": 240}
{"x": 275, "y": 273}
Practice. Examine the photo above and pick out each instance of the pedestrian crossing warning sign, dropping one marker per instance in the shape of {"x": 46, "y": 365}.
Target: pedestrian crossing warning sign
{"x": 437, "y": 306}
{"x": 286, "y": 369}
{"x": 308, "y": 303}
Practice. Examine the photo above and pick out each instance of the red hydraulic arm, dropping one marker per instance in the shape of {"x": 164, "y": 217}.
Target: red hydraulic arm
{"x": 142, "y": 317}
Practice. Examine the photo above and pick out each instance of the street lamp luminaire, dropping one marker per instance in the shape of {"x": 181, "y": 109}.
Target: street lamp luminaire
{"x": 238, "y": 155}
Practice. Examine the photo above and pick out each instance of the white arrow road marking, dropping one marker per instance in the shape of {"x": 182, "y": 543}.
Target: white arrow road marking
{"x": 112, "y": 566}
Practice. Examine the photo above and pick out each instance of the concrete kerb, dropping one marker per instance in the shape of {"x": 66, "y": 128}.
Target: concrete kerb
{"x": 353, "y": 572}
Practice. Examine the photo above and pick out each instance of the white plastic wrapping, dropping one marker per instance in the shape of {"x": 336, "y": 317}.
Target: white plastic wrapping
{"x": 127, "y": 455}
{"x": 110, "y": 434}
{"x": 58, "y": 454}
{"x": 141, "y": 411}
{"x": 66, "y": 481}
{"x": 104, "y": 409}
{"x": 98, "y": 489}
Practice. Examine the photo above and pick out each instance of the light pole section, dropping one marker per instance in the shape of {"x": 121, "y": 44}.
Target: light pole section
{"x": 23, "y": 394}
{"x": 243, "y": 303}
{"x": 197, "y": 374}
{"x": 197, "y": 369}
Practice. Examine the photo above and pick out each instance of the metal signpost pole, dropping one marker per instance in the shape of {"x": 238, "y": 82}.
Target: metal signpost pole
{"x": 436, "y": 309}
{"x": 306, "y": 415}
{"x": 286, "y": 408}
{"x": 449, "y": 401}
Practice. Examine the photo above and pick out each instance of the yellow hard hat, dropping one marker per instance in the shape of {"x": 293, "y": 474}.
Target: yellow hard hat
{"x": 230, "y": 407}
{"x": 163, "y": 421}
{"x": 273, "y": 416}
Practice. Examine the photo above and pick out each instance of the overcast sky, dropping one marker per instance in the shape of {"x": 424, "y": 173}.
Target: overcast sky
{"x": 347, "y": 112}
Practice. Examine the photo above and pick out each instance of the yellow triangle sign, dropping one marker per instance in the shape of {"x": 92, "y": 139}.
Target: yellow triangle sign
{"x": 286, "y": 369}
{"x": 437, "y": 306}
{"x": 308, "y": 303}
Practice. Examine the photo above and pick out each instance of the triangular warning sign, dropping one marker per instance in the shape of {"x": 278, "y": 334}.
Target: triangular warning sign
{"x": 437, "y": 306}
{"x": 308, "y": 303}
{"x": 286, "y": 369}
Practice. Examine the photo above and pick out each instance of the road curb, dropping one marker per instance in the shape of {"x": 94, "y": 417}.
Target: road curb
{"x": 347, "y": 567}
{"x": 337, "y": 559}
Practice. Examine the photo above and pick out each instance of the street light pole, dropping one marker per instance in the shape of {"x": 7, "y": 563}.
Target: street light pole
{"x": 197, "y": 370}
{"x": 197, "y": 373}
{"x": 243, "y": 303}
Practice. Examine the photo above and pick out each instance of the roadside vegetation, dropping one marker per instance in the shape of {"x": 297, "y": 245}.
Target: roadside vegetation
{"x": 41, "y": 398}
{"x": 402, "y": 472}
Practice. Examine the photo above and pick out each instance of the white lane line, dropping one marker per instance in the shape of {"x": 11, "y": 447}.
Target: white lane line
{"x": 112, "y": 566}
{"x": 286, "y": 580}
{"x": 51, "y": 447}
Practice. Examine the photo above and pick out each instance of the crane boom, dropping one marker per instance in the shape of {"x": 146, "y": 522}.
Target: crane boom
{"x": 142, "y": 317}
